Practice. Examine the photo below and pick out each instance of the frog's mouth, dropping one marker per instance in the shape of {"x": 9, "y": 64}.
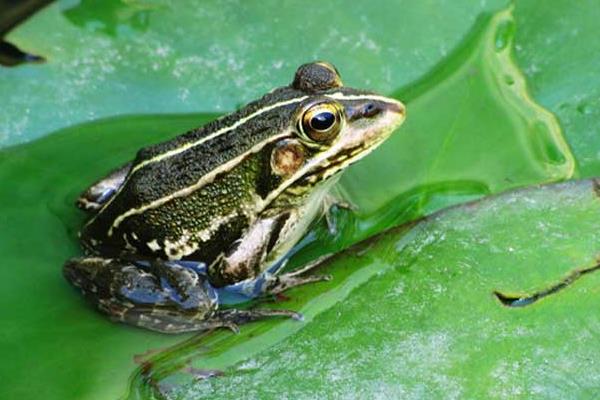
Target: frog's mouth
{"x": 336, "y": 164}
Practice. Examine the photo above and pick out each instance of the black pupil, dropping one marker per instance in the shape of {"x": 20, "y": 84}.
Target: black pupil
{"x": 322, "y": 121}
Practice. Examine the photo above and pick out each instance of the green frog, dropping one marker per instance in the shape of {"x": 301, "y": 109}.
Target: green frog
{"x": 223, "y": 204}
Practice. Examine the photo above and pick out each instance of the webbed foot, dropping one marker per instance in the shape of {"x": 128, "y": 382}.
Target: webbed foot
{"x": 232, "y": 318}
{"x": 277, "y": 284}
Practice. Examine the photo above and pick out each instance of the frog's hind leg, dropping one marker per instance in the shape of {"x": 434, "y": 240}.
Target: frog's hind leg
{"x": 149, "y": 295}
{"x": 231, "y": 318}
{"x": 155, "y": 295}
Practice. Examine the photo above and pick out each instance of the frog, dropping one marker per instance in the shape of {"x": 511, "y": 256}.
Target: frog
{"x": 223, "y": 204}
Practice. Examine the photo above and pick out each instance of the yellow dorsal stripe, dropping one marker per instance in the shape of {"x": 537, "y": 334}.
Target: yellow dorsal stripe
{"x": 204, "y": 180}
{"x": 215, "y": 134}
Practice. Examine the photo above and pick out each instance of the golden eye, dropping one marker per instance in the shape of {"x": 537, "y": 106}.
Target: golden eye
{"x": 322, "y": 122}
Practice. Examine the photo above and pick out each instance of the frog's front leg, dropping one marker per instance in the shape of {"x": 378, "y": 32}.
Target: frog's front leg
{"x": 255, "y": 260}
{"x": 330, "y": 202}
{"x": 276, "y": 284}
{"x": 162, "y": 297}
{"x": 246, "y": 257}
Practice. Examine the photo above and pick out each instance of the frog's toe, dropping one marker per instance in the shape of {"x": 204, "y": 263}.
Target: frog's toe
{"x": 232, "y": 317}
{"x": 288, "y": 281}
{"x": 276, "y": 284}
{"x": 83, "y": 272}
{"x": 330, "y": 203}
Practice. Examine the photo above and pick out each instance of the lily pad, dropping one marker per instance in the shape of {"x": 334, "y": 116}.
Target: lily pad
{"x": 413, "y": 296}
{"x": 413, "y": 313}
{"x": 157, "y": 56}
{"x": 556, "y": 53}
{"x": 472, "y": 129}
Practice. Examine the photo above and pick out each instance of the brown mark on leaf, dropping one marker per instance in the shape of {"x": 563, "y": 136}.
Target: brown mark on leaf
{"x": 143, "y": 358}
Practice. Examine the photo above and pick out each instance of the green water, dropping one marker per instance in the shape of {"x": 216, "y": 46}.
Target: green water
{"x": 471, "y": 130}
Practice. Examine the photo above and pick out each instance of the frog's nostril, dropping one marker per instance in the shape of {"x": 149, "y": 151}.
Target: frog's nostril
{"x": 371, "y": 110}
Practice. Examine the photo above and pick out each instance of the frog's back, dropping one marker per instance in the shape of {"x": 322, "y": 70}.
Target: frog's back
{"x": 176, "y": 188}
{"x": 250, "y": 116}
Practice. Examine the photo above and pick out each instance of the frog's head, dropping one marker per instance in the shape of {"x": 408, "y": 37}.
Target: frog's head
{"x": 334, "y": 126}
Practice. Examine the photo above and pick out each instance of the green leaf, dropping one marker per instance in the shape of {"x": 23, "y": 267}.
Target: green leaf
{"x": 159, "y": 56}
{"x": 472, "y": 129}
{"x": 410, "y": 313}
{"x": 557, "y": 53}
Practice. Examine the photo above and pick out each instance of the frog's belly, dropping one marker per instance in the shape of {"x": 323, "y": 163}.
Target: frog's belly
{"x": 298, "y": 223}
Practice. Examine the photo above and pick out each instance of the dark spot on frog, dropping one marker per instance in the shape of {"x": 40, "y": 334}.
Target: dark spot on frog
{"x": 279, "y": 224}
{"x": 317, "y": 76}
{"x": 172, "y": 252}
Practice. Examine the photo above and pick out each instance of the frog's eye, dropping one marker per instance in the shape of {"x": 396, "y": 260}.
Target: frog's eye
{"x": 322, "y": 122}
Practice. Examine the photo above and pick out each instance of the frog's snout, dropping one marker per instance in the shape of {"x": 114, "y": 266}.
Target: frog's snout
{"x": 374, "y": 108}
{"x": 395, "y": 107}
